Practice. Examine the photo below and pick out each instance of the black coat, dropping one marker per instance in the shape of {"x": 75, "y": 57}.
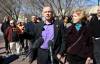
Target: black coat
{"x": 84, "y": 47}
{"x": 58, "y": 26}
{"x": 4, "y": 26}
{"x": 94, "y": 25}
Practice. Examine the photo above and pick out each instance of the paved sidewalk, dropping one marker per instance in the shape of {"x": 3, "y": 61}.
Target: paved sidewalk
{"x": 13, "y": 59}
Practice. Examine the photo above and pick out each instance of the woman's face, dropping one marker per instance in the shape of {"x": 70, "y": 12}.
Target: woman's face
{"x": 12, "y": 24}
{"x": 75, "y": 18}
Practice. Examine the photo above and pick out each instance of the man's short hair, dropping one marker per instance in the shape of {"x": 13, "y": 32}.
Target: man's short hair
{"x": 47, "y": 6}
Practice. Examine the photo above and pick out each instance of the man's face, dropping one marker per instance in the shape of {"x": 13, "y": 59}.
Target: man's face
{"x": 47, "y": 13}
{"x": 12, "y": 23}
{"x": 33, "y": 18}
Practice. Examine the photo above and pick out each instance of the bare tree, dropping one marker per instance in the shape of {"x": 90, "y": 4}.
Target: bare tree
{"x": 61, "y": 8}
{"x": 10, "y": 7}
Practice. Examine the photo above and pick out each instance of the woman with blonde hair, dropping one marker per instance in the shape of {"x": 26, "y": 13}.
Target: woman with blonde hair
{"x": 77, "y": 40}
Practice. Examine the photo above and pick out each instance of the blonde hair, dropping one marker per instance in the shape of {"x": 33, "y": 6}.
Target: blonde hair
{"x": 81, "y": 13}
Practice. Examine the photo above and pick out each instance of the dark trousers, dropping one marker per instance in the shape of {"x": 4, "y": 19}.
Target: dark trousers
{"x": 6, "y": 43}
{"x": 43, "y": 56}
{"x": 1, "y": 60}
{"x": 22, "y": 42}
{"x": 32, "y": 53}
{"x": 26, "y": 45}
{"x": 74, "y": 59}
{"x": 97, "y": 50}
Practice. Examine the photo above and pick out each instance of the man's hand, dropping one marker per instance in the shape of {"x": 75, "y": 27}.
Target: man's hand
{"x": 58, "y": 56}
{"x": 89, "y": 61}
{"x": 62, "y": 59}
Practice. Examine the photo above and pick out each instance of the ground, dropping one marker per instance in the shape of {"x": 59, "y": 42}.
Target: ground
{"x": 13, "y": 59}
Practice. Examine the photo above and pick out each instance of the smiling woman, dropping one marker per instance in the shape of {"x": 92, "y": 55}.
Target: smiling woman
{"x": 78, "y": 15}
{"x": 77, "y": 40}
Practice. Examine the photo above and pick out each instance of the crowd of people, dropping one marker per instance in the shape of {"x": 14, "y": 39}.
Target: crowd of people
{"x": 74, "y": 39}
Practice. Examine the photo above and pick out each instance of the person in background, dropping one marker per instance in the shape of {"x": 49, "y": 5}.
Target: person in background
{"x": 12, "y": 34}
{"x": 26, "y": 41}
{"x": 4, "y": 26}
{"x": 94, "y": 25}
{"x": 30, "y": 31}
{"x": 67, "y": 22}
{"x": 21, "y": 27}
